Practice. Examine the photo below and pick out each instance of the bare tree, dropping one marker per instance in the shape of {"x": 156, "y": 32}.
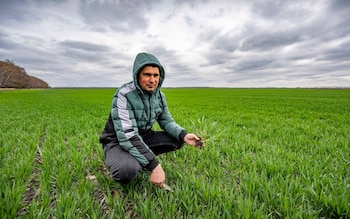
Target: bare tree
{"x": 12, "y": 76}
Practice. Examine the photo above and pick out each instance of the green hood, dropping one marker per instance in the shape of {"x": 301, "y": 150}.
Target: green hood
{"x": 143, "y": 59}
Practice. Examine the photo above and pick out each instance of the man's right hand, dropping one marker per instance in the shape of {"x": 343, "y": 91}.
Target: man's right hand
{"x": 157, "y": 176}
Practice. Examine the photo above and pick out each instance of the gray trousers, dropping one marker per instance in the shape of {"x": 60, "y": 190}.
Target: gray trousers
{"x": 124, "y": 167}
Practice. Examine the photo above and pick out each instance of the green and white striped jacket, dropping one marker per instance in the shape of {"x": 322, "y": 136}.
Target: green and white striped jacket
{"x": 134, "y": 110}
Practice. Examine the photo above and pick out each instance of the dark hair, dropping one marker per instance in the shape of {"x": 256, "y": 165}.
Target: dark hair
{"x": 151, "y": 65}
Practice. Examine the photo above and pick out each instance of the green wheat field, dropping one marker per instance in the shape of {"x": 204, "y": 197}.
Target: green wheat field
{"x": 270, "y": 153}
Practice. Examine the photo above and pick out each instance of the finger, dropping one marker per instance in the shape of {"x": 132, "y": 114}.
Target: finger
{"x": 157, "y": 184}
{"x": 196, "y": 137}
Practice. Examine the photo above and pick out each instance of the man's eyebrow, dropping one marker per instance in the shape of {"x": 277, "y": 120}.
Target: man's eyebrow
{"x": 149, "y": 73}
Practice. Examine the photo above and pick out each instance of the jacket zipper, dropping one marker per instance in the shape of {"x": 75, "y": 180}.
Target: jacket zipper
{"x": 150, "y": 109}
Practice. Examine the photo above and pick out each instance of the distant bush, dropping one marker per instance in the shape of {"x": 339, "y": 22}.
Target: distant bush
{"x": 12, "y": 76}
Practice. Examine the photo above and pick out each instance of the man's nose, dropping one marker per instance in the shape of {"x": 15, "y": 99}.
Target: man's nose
{"x": 153, "y": 78}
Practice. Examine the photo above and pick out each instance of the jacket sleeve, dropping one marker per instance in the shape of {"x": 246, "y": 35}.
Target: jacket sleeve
{"x": 167, "y": 123}
{"x": 127, "y": 132}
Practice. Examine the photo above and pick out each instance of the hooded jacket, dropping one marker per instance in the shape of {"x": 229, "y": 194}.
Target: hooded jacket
{"x": 134, "y": 111}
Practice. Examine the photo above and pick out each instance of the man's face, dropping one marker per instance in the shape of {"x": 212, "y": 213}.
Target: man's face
{"x": 149, "y": 78}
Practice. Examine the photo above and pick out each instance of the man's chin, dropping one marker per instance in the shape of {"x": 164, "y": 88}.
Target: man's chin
{"x": 150, "y": 91}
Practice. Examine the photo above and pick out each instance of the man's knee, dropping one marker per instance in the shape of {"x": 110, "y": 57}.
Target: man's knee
{"x": 180, "y": 145}
{"x": 122, "y": 166}
{"x": 125, "y": 173}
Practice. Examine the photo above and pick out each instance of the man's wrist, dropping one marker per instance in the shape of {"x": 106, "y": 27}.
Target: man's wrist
{"x": 153, "y": 164}
{"x": 182, "y": 135}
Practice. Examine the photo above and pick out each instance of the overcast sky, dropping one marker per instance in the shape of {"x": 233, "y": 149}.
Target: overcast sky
{"x": 216, "y": 43}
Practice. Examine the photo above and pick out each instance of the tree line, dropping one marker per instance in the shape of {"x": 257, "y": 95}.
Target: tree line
{"x": 13, "y": 76}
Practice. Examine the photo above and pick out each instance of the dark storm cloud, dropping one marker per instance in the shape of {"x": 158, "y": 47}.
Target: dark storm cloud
{"x": 12, "y": 10}
{"x": 164, "y": 54}
{"x": 80, "y": 56}
{"x": 23, "y": 51}
{"x": 340, "y": 5}
{"x": 338, "y": 54}
{"x": 278, "y": 11}
{"x": 226, "y": 43}
{"x": 86, "y": 46}
{"x": 252, "y": 65}
{"x": 16, "y": 11}
{"x": 6, "y": 43}
{"x": 268, "y": 41}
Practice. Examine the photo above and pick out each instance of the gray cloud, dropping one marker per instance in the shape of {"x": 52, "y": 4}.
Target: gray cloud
{"x": 200, "y": 43}
{"x": 282, "y": 11}
{"x": 6, "y": 43}
{"x": 85, "y": 46}
{"x": 84, "y": 51}
{"x": 121, "y": 15}
{"x": 343, "y": 5}
{"x": 268, "y": 41}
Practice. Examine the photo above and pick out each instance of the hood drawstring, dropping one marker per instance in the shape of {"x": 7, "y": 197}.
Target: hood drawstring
{"x": 161, "y": 99}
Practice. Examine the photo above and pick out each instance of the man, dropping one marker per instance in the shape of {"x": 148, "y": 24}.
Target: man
{"x": 129, "y": 143}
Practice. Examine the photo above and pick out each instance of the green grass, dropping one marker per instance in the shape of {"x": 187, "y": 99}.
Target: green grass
{"x": 270, "y": 153}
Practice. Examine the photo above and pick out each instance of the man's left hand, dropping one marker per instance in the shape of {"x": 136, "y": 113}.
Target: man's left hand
{"x": 191, "y": 139}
